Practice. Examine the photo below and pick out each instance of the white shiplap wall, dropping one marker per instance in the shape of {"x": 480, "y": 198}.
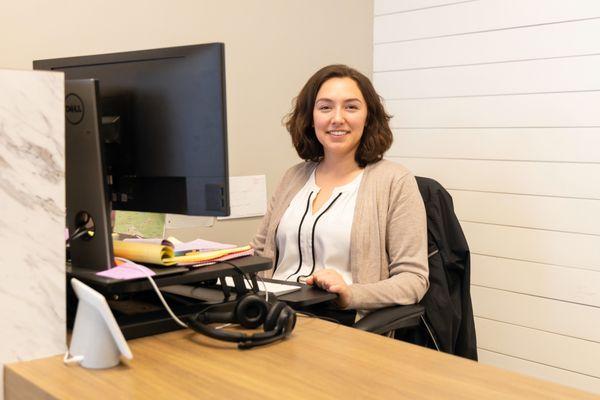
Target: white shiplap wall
{"x": 499, "y": 100}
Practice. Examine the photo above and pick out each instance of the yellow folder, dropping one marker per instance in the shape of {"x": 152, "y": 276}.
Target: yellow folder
{"x": 152, "y": 253}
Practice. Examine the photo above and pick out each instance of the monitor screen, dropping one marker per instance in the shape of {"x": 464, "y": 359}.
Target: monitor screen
{"x": 164, "y": 126}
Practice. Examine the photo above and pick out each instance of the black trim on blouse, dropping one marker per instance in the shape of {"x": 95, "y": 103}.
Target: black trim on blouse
{"x": 299, "y": 229}
{"x": 313, "y": 240}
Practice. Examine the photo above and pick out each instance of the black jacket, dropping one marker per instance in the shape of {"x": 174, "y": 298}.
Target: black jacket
{"x": 447, "y": 303}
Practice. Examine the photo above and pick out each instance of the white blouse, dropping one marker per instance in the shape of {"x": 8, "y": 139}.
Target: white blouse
{"x": 324, "y": 240}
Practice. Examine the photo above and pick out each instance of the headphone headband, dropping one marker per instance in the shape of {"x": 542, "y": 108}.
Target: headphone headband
{"x": 228, "y": 336}
{"x": 250, "y": 311}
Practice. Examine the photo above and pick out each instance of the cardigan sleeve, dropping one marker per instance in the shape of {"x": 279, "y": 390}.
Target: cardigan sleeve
{"x": 406, "y": 248}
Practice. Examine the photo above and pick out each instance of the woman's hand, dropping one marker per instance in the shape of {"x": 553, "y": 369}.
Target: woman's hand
{"x": 332, "y": 281}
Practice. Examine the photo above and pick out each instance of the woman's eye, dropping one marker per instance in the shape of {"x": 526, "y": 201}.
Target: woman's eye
{"x": 324, "y": 108}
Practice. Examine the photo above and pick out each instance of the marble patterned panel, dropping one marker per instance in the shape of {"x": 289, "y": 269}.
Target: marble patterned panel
{"x": 32, "y": 215}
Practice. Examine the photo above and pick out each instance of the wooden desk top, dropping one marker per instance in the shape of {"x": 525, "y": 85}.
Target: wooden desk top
{"x": 320, "y": 361}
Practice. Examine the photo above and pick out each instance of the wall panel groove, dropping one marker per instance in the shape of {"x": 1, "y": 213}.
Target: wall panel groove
{"x": 570, "y": 267}
{"x": 561, "y": 75}
{"x": 536, "y": 110}
{"x": 543, "y": 314}
{"x": 565, "y": 249}
{"x": 387, "y": 7}
{"x": 546, "y": 179}
{"x": 476, "y": 64}
{"x": 457, "y": 19}
{"x": 535, "y": 144}
{"x": 540, "y": 371}
{"x": 547, "y": 348}
{"x": 581, "y": 286}
{"x": 526, "y": 293}
{"x": 527, "y": 227}
{"x": 576, "y": 216}
{"x": 450, "y": 35}
{"x": 556, "y": 40}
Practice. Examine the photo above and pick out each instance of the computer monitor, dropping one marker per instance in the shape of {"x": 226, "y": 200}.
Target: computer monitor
{"x": 152, "y": 137}
{"x": 164, "y": 126}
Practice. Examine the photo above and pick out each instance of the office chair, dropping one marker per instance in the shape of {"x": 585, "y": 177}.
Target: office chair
{"x": 443, "y": 319}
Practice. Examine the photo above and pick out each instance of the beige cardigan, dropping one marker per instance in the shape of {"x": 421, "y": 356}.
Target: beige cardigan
{"x": 388, "y": 242}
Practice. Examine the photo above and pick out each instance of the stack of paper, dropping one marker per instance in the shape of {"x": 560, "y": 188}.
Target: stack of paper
{"x": 200, "y": 258}
{"x": 172, "y": 251}
{"x": 181, "y": 248}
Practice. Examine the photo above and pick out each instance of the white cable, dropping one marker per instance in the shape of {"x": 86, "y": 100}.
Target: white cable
{"x": 160, "y": 296}
{"x": 162, "y": 299}
{"x": 67, "y": 359}
{"x": 164, "y": 302}
{"x": 265, "y": 286}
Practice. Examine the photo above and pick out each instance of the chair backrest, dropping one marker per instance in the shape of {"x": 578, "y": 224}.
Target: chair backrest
{"x": 447, "y": 303}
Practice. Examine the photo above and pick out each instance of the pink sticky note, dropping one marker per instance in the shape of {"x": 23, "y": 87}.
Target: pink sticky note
{"x": 127, "y": 270}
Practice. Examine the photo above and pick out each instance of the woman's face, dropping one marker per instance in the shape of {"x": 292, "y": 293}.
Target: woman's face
{"x": 339, "y": 116}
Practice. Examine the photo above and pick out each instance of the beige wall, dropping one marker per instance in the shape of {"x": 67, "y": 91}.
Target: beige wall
{"x": 272, "y": 47}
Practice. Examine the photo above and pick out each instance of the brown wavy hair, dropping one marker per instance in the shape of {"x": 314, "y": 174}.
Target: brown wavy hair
{"x": 377, "y": 136}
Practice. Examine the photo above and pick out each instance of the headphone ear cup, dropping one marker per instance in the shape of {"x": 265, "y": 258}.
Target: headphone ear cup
{"x": 287, "y": 318}
{"x": 273, "y": 316}
{"x": 251, "y": 311}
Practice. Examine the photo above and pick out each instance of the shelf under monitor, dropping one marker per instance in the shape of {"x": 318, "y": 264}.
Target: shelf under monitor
{"x": 166, "y": 276}
{"x": 136, "y": 306}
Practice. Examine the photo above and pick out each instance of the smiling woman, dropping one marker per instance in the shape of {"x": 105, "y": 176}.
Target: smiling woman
{"x": 339, "y": 116}
{"x": 346, "y": 220}
{"x": 348, "y": 82}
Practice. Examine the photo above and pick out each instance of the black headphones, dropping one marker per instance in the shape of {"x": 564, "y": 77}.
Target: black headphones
{"x": 250, "y": 312}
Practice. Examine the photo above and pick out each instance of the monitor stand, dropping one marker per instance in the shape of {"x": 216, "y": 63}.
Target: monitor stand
{"x": 88, "y": 206}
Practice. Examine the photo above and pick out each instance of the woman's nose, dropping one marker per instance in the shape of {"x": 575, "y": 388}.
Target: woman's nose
{"x": 338, "y": 116}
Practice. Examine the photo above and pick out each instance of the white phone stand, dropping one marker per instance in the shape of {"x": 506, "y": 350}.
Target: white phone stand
{"x": 96, "y": 339}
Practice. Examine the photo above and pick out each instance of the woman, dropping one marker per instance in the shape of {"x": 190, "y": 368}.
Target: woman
{"x": 346, "y": 220}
